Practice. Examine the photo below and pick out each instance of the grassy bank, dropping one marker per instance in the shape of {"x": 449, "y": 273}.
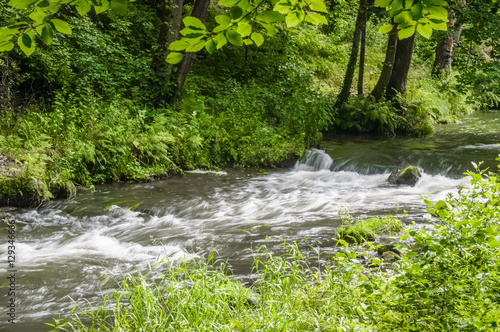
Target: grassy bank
{"x": 447, "y": 279}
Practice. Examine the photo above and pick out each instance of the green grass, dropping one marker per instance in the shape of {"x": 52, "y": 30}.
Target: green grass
{"x": 369, "y": 229}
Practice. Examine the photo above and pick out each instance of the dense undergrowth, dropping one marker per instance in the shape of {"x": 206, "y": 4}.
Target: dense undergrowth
{"x": 85, "y": 110}
{"x": 447, "y": 280}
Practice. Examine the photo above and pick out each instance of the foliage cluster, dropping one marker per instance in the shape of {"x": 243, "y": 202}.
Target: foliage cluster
{"x": 446, "y": 280}
{"x": 359, "y": 231}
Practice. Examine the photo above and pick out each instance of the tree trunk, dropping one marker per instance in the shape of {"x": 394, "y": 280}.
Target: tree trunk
{"x": 200, "y": 9}
{"x": 444, "y": 49}
{"x": 402, "y": 61}
{"x": 351, "y": 66}
{"x": 171, "y": 18}
{"x": 390, "y": 55}
{"x": 362, "y": 51}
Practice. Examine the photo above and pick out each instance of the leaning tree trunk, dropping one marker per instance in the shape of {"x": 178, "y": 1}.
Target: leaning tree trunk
{"x": 390, "y": 55}
{"x": 171, "y": 17}
{"x": 200, "y": 9}
{"x": 399, "y": 76}
{"x": 351, "y": 65}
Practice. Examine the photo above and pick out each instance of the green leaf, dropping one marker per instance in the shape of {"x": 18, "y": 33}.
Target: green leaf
{"x": 6, "y": 46}
{"x": 425, "y": 30}
{"x": 196, "y": 47}
{"x": 382, "y": 3}
{"x": 210, "y": 46}
{"x": 38, "y": 17}
{"x": 271, "y": 16}
{"x": 438, "y": 12}
{"x": 43, "y": 4}
{"x": 47, "y": 34}
{"x": 316, "y": 18}
{"x": 404, "y": 17}
{"x": 318, "y": 6}
{"x": 223, "y": 19}
{"x": 440, "y": 3}
{"x": 194, "y": 23}
{"x": 120, "y": 6}
{"x": 192, "y": 34}
{"x": 244, "y": 29}
{"x": 257, "y": 38}
{"x": 175, "y": 57}
{"x": 61, "y": 26}
{"x": 416, "y": 11}
{"x": 26, "y": 43}
{"x": 179, "y": 45}
{"x": 385, "y": 28}
{"x": 234, "y": 38}
{"x": 236, "y": 12}
{"x": 103, "y": 7}
{"x": 407, "y": 32}
{"x": 271, "y": 30}
{"x": 293, "y": 19}
{"x": 220, "y": 40}
{"x": 83, "y": 7}
{"x": 283, "y": 6}
{"x": 247, "y": 41}
{"x": 228, "y": 3}
{"x": 21, "y": 4}
{"x": 443, "y": 26}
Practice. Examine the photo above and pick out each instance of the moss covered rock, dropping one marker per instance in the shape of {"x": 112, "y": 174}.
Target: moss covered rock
{"x": 407, "y": 176}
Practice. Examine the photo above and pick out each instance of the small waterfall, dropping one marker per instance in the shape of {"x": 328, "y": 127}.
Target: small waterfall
{"x": 314, "y": 160}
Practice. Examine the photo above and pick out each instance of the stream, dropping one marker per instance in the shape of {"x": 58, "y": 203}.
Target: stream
{"x": 64, "y": 247}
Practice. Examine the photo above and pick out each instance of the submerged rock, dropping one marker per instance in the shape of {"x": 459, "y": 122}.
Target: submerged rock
{"x": 408, "y": 176}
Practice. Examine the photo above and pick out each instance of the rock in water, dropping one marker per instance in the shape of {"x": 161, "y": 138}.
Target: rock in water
{"x": 408, "y": 176}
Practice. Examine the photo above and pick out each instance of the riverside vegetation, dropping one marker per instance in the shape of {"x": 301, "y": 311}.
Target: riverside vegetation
{"x": 94, "y": 107}
{"x": 446, "y": 280}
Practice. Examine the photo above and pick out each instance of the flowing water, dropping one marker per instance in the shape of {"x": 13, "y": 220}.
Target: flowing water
{"x": 64, "y": 247}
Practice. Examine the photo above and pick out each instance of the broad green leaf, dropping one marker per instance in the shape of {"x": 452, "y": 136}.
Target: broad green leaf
{"x": 292, "y": 19}
{"x": 385, "y": 28}
{"x": 179, "y": 45}
{"x": 194, "y": 23}
{"x": 443, "y": 26}
{"x": 425, "y": 30}
{"x": 61, "y": 26}
{"x": 244, "y": 4}
{"x": 271, "y": 30}
{"x": 257, "y": 38}
{"x": 382, "y": 3}
{"x": 83, "y": 7}
{"x": 192, "y": 34}
{"x": 271, "y": 16}
{"x": 318, "y": 6}
{"x": 220, "y": 28}
{"x": 416, "y": 11}
{"x": 316, "y": 18}
{"x": 228, "y": 3}
{"x": 223, "y": 19}
{"x": 175, "y": 57}
{"x": 210, "y": 46}
{"x": 236, "y": 12}
{"x": 6, "y": 46}
{"x": 404, "y": 17}
{"x": 244, "y": 29}
{"x": 220, "y": 40}
{"x": 283, "y": 7}
{"x": 21, "y": 4}
{"x": 8, "y": 33}
{"x": 442, "y": 3}
{"x": 120, "y": 6}
{"x": 247, "y": 41}
{"x": 27, "y": 43}
{"x": 103, "y": 7}
{"x": 43, "y": 4}
{"x": 47, "y": 34}
{"x": 196, "y": 46}
{"x": 38, "y": 17}
{"x": 407, "y": 32}
{"x": 234, "y": 38}
{"x": 438, "y": 12}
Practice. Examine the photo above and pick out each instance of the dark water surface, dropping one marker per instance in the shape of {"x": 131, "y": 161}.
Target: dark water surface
{"x": 64, "y": 247}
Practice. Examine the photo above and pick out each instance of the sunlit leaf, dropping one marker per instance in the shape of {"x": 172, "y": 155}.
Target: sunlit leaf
{"x": 234, "y": 37}
{"x": 257, "y": 38}
{"x": 175, "y": 57}
{"x": 61, "y": 26}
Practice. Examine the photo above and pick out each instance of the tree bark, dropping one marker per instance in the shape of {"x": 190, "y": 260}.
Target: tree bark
{"x": 171, "y": 18}
{"x": 444, "y": 49}
{"x": 362, "y": 51}
{"x": 200, "y": 9}
{"x": 351, "y": 65}
{"x": 390, "y": 55}
{"x": 402, "y": 61}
